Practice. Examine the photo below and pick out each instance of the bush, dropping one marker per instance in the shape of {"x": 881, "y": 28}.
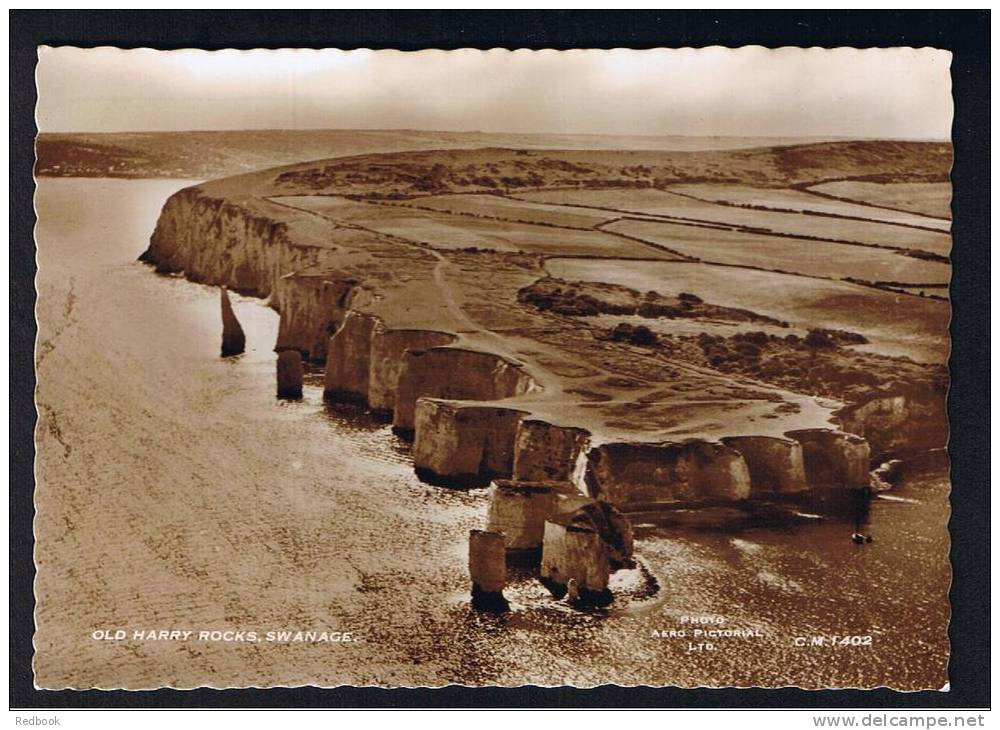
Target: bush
{"x": 636, "y": 335}
{"x": 773, "y": 369}
{"x": 651, "y": 311}
{"x": 817, "y": 339}
{"x": 543, "y": 303}
{"x": 713, "y": 350}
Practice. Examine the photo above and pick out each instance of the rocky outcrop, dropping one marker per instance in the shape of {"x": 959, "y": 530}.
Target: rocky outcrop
{"x": 461, "y": 444}
{"x": 453, "y": 374}
{"x": 890, "y": 472}
{"x": 642, "y": 474}
{"x": 887, "y": 475}
{"x": 312, "y": 305}
{"x": 421, "y": 381}
{"x": 388, "y": 348}
{"x": 233, "y": 340}
{"x": 543, "y": 452}
{"x": 289, "y": 374}
{"x": 776, "y": 465}
{"x": 834, "y": 459}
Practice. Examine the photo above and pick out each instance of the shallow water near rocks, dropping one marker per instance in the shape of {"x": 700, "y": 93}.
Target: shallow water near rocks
{"x": 175, "y": 492}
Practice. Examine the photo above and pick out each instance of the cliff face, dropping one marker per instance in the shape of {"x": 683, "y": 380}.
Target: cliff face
{"x": 456, "y": 443}
{"x": 312, "y": 306}
{"x": 834, "y": 459}
{"x": 775, "y": 465}
{"x": 547, "y": 453}
{"x": 347, "y": 360}
{"x": 629, "y": 474}
{"x": 214, "y": 241}
{"x": 386, "y": 360}
{"x": 217, "y": 242}
{"x": 575, "y": 553}
{"x": 519, "y": 511}
{"x": 903, "y": 421}
{"x": 457, "y": 374}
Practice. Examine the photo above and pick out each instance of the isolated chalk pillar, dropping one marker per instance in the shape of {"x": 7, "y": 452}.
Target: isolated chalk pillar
{"x": 233, "y": 340}
{"x": 488, "y": 569}
{"x": 576, "y": 553}
{"x": 289, "y": 374}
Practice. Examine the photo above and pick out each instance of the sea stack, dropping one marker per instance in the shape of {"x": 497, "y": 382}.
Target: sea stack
{"x": 488, "y": 569}
{"x": 290, "y": 374}
{"x": 233, "y": 340}
{"x": 574, "y": 554}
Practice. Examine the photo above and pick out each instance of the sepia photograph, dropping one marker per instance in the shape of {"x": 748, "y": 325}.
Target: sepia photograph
{"x": 492, "y": 368}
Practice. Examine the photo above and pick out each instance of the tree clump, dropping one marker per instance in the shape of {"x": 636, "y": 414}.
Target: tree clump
{"x": 589, "y": 299}
{"x": 633, "y": 334}
{"x": 821, "y": 363}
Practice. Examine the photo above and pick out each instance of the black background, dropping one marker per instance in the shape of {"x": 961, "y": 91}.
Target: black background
{"x": 965, "y": 33}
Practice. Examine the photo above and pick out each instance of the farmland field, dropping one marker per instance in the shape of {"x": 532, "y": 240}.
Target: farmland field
{"x": 811, "y": 258}
{"x": 495, "y": 206}
{"x": 447, "y": 231}
{"x": 941, "y": 292}
{"x": 663, "y": 203}
{"x": 931, "y": 199}
{"x": 799, "y": 201}
{"x": 895, "y": 324}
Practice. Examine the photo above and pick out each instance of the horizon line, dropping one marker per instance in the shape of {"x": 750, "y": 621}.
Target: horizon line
{"x": 838, "y": 137}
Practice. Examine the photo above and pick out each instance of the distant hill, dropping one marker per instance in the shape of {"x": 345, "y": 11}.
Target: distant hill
{"x": 414, "y": 173}
{"x": 205, "y": 155}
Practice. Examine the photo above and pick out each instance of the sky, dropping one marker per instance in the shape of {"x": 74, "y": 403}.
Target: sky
{"x": 899, "y": 93}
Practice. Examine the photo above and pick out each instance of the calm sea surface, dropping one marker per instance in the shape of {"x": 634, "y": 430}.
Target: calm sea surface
{"x": 175, "y": 493}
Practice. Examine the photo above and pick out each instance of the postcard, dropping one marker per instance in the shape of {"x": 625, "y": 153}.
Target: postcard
{"x": 492, "y": 368}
